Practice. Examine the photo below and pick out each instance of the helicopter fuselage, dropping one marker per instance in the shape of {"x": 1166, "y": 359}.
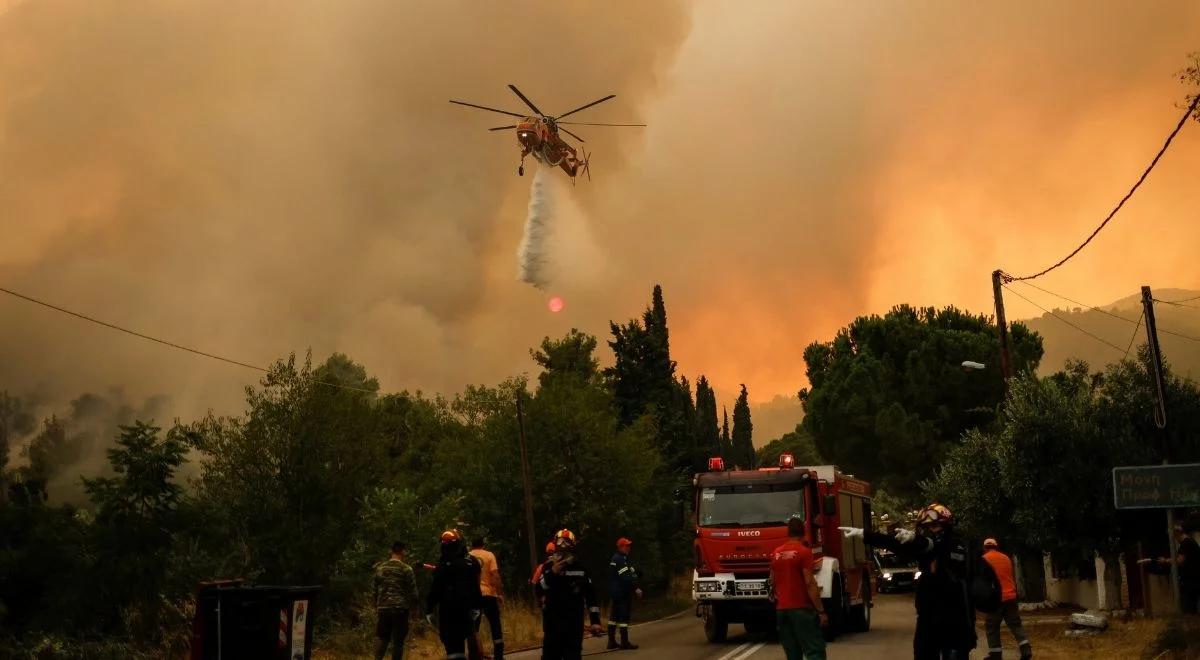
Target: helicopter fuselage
{"x": 539, "y": 138}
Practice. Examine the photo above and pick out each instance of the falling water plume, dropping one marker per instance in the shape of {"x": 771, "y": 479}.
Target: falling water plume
{"x": 531, "y": 255}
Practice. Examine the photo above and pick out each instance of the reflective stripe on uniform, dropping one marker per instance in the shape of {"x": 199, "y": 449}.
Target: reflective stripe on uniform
{"x": 1024, "y": 643}
{"x": 543, "y": 582}
{"x": 627, "y": 568}
{"x": 574, "y": 573}
{"x": 596, "y": 610}
{"x": 622, "y": 625}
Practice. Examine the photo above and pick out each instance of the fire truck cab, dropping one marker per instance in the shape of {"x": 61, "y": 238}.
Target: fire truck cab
{"x": 740, "y": 518}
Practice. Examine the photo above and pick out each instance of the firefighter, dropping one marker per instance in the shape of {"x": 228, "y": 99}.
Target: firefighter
{"x": 395, "y": 598}
{"x": 945, "y": 615}
{"x": 799, "y": 612}
{"x": 1009, "y": 612}
{"x": 567, "y": 590}
{"x": 456, "y": 595}
{"x": 493, "y": 595}
{"x": 622, "y": 587}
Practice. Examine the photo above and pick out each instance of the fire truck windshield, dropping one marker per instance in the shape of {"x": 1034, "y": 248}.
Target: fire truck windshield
{"x": 750, "y": 506}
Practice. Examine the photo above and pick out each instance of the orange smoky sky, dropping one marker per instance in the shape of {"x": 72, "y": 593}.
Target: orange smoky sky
{"x": 259, "y": 178}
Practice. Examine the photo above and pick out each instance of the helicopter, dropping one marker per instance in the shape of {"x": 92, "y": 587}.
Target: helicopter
{"x": 538, "y": 135}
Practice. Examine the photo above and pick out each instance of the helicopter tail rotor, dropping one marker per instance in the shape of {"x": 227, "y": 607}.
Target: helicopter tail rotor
{"x": 586, "y": 159}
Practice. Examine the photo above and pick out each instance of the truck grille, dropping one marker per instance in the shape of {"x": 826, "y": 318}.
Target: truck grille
{"x": 746, "y": 564}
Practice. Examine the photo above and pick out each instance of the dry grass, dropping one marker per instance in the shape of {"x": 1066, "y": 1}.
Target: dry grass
{"x": 522, "y": 627}
{"x": 1137, "y": 638}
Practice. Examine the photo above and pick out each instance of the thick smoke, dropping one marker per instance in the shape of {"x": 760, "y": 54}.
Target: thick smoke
{"x": 72, "y": 441}
{"x": 254, "y": 178}
{"x": 531, "y": 255}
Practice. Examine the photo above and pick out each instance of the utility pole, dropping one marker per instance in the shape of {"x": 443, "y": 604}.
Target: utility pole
{"x": 1002, "y": 326}
{"x": 1160, "y": 420}
{"x": 529, "y": 531}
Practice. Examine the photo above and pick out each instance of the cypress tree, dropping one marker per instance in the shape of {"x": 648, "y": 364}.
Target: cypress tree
{"x": 726, "y": 442}
{"x": 643, "y": 381}
{"x": 743, "y": 428}
{"x": 708, "y": 433}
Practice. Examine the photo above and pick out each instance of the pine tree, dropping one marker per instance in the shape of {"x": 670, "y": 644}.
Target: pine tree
{"x": 743, "y": 428}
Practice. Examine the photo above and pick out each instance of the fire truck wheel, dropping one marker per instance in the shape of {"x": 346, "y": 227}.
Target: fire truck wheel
{"x": 835, "y": 606}
{"x": 716, "y": 628}
{"x": 860, "y": 615}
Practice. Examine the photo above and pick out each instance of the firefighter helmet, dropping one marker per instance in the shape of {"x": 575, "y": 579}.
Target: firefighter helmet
{"x": 624, "y": 543}
{"x": 550, "y": 548}
{"x": 451, "y": 536}
{"x": 935, "y": 514}
{"x": 564, "y": 539}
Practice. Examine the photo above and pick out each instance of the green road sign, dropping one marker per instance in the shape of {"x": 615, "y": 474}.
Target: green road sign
{"x": 1156, "y": 486}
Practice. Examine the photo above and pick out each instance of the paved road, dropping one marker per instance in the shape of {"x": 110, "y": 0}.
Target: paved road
{"x": 682, "y": 637}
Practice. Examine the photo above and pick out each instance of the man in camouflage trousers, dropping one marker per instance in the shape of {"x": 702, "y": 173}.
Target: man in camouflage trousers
{"x": 395, "y": 596}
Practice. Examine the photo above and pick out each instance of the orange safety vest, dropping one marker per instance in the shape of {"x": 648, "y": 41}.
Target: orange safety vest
{"x": 1003, "y": 567}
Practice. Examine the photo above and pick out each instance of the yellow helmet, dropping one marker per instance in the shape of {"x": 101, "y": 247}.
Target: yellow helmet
{"x": 935, "y": 514}
{"x": 564, "y": 539}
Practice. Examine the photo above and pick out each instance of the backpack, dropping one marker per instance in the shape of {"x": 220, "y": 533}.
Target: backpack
{"x": 984, "y": 586}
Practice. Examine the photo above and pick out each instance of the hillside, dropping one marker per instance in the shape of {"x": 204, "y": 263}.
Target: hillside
{"x": 1063, "y": 342}
{"x": 775, "y": 417}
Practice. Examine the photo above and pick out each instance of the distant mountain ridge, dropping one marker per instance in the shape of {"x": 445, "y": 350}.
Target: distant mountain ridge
{"x": 1062, "y": 342}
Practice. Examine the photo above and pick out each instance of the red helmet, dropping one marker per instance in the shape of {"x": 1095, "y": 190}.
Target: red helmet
{"x": 935, "y": 514}
{"x": 550, "y": 548}
{"x": 564, "y": 539}
{"x": 450, "y": 536}
{"x": 624, "y": 542}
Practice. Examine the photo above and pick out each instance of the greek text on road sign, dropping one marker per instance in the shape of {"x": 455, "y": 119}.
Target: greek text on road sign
{"x": 1156, "y": 486}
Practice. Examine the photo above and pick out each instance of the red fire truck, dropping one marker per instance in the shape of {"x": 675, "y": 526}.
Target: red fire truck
{"x": 741, "y": 517}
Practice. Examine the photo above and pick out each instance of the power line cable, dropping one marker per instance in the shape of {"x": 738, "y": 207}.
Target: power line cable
{"x": 1093, "y": 308}
{"x": 1182, "y": 120}
{"x": 1105, "y": 342}
{"x": 1133, "y": 337}
{"x": 1102, "y": 341}
{"x": 1105, "y": 311}
{"x": 169, "y": 343}
{"x": 1177, "y": 303}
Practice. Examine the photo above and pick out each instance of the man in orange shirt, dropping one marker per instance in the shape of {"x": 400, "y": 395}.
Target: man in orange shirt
{"x": 493, "y": 595}
{"x": 1008, "y": 611}
{"x": 799, "y": 613}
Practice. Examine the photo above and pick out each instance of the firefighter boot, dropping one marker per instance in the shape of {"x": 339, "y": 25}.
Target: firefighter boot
{"x": 612, "y": 637}
{"x": 625, "y": 639}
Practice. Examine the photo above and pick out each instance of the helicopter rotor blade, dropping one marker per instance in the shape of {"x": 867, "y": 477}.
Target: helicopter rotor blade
{"x": 484, "y": 107}
{"x": 580, "y": 123}
{"x": 571, "y": 134}
{"x": 501, "y": 128}
{"x": 527, "y": 101}
{"x": 584, "y": 107}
